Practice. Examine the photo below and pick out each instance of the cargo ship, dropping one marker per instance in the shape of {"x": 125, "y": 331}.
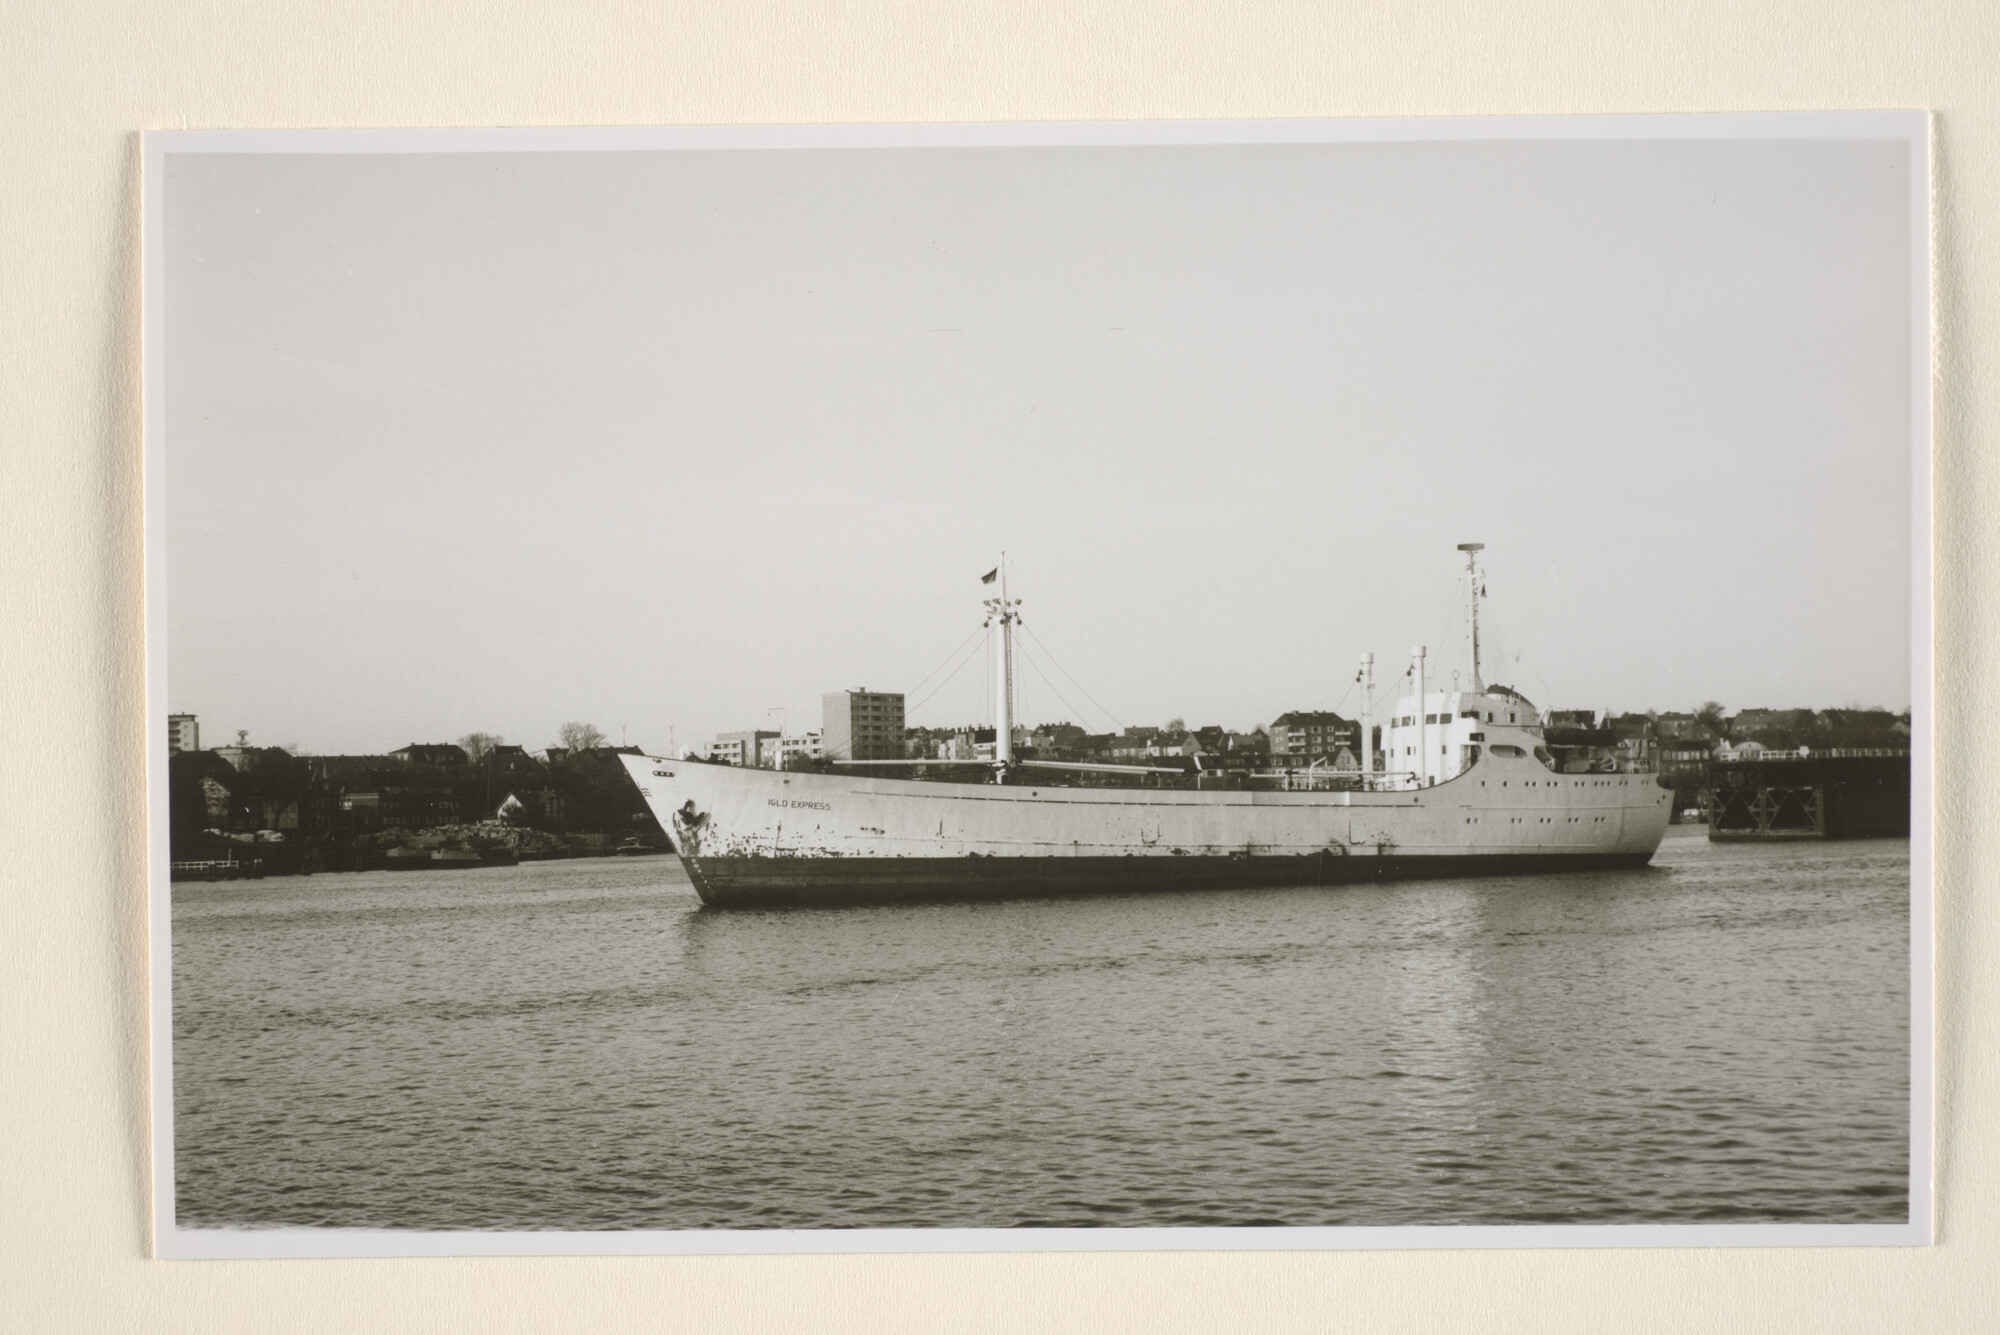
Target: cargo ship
{"x": 1461, "y": 784}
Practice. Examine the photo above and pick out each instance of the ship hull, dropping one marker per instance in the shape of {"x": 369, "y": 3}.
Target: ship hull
{"x": 760, "y": 838}
{"x": 825, "y": 882}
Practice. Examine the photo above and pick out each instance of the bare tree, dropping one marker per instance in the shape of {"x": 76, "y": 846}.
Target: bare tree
{"x": 579, "y": 736}
{"x": 479, "y": 745}
{"x": 1710, "y": 717}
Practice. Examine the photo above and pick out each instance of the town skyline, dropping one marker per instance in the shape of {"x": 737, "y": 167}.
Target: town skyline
{"x": 212, "y": 738}
{"x": 358, "y": 739}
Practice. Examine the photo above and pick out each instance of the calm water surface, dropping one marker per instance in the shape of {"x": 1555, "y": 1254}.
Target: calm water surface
{"x": 1723, "y": 1037}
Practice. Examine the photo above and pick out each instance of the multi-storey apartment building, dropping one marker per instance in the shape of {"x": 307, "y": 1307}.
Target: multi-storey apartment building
{"x": 862, "y": 725}
{"x": 741, "y": 748}
{"x": 778, "y": 751}
{"x": 1307, "y": 735}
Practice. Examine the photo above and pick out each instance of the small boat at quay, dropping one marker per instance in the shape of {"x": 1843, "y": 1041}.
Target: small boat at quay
{"x": 1463, "y": 784}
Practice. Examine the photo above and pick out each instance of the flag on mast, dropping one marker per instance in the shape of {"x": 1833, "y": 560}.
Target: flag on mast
{"x": 990, "y": 575}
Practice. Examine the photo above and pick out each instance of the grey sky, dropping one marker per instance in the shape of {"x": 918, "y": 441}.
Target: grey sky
{"x": 665, "y": 439}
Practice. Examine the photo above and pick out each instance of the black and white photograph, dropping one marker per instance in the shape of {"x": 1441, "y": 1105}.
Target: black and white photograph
{"x": 1265, "y": 684}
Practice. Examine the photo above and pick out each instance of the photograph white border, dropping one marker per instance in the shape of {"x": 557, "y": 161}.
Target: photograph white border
{"x": 171, "y": 1241}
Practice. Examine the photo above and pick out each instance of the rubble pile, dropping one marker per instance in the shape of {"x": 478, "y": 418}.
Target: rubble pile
{"x": 478, "y": 836}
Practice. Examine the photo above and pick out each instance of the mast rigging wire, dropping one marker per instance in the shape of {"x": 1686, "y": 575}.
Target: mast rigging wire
{"x": 946, "y": 682}
{"x": 1055, "y": 689}
{"x": 1072, "y": 677}
{"x": 947, "y": 661}
{"x": 1548, "y": 691}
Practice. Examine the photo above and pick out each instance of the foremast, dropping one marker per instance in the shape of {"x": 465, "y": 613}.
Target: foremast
{"x": 1001, "y": 614}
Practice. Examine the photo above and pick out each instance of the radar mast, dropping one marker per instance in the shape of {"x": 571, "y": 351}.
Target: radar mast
{"x": 1475, "y": 590}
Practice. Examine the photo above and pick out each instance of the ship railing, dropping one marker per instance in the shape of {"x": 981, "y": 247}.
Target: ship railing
{"x": 215, "y": 868}
{"x": 1809, "y": 753}
{"x": 1338, "y": 780}
{"x": 1317, "y": 781}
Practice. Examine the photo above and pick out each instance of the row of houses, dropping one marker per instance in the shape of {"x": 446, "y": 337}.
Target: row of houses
{"x": 1664, "y": 736}
{"x": 868, "y": 726}
{"x": 864, "y": 725}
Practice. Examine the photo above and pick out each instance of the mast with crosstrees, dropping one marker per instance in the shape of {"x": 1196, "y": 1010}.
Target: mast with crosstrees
{"x": 1001, "y": 614}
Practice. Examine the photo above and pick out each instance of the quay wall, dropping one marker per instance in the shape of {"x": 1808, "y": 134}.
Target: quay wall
{"x": 1795, "y": 796}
